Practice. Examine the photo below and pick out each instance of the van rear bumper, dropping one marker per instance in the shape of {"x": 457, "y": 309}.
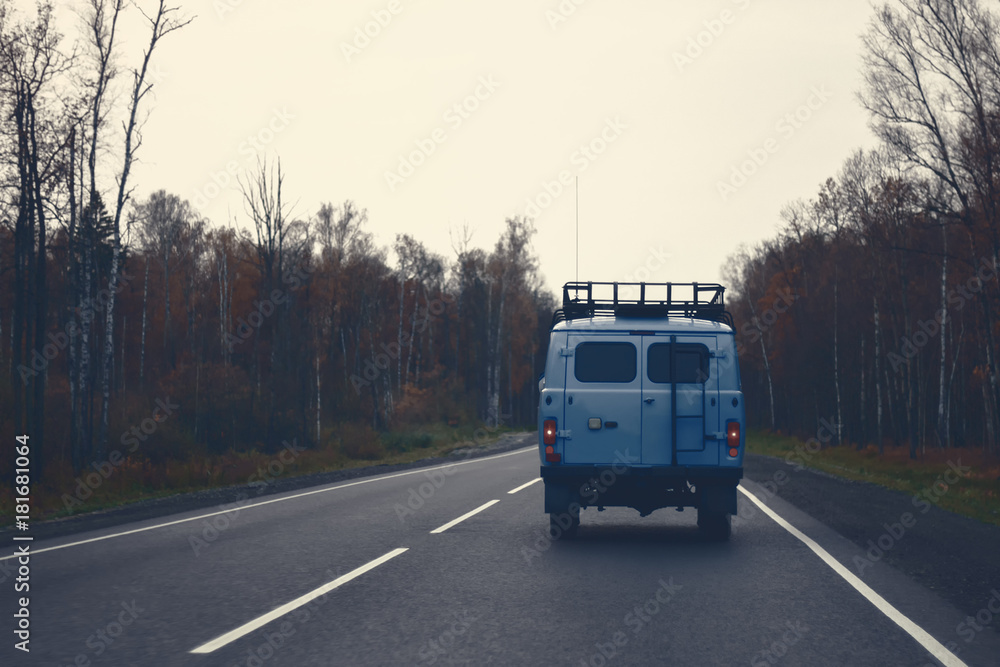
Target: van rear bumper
{"x": 644, "y": 488}
{"x": 678, "y": 473}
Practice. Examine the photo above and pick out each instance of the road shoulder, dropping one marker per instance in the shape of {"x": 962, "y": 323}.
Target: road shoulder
{"x": 951, "y": 555}
{"x": 212, "y": 498}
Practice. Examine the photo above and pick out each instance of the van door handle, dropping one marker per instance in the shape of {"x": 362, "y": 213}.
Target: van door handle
{"x": 650, "y": 400}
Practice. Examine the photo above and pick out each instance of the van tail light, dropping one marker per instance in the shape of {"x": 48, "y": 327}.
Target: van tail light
{"x": 549, "y": 440}
{"x": 733, "y": 437}
{"x": 549, "y": 432}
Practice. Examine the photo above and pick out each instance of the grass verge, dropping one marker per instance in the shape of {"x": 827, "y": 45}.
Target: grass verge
{"x": 975, "y": 495}
{"x": 112, "y": 483}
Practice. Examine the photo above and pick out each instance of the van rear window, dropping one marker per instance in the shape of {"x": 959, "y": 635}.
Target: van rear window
{"x": 691, "y": 363}
{"x": 605, "y": 362}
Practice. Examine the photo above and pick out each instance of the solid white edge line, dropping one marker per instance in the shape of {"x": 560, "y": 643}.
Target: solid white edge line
{"x": 462, "y": 518}
{"x": 249, "y": 627}
{"x": 933, "y": 646}
{"x": 533, "y": 448}
{"x": 523, "y": 486}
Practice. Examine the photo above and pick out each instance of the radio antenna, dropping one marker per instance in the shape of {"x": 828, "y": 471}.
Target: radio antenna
{"x": 577, "y": 229}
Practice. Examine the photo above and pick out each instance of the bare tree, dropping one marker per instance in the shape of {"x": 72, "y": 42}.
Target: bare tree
{"x": 829, "y": 208}
{"x": 102, "y": 25}
{"x": 747, "y": 274}
{"x": 163, "y": 220}
{"x": 279, "y": 244}
{"x": 513, "y": 269}
{"x": 262, "y": 201}
{"x": 931, "y": 87}
{"x": 31, "y": 62}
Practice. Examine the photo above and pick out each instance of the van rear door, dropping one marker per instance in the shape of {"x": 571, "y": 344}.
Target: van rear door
{"x": 602, "y": 413}
{"x": 696, "y": 375}
{"x": 657, "y": 407}
{"x": 680, "y": 396}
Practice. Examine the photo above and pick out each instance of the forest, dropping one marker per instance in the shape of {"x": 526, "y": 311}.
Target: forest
{"x": 129, "y": 320}
{"x": 875, "y": 309}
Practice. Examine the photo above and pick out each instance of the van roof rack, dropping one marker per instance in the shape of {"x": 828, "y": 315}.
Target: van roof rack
{"x": 707, "y": 302}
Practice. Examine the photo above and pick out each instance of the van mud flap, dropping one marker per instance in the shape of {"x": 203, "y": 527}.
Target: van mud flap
{"x": 559, "y": 496}
{"x": 717, "y": 498}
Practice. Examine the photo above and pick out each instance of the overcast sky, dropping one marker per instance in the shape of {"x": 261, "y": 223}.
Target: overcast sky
{"x": 651, "y": 105}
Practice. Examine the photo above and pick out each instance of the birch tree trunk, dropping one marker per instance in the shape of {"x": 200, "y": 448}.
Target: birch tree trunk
{"x": 413, "y": 333}
{"x": 878, "y": 376}
{"x": 160, "y": 25}
{"x": 490, "y": 368}
{"x": 497, "y": 351}
{"x": 318, "y": 398}
{"x": 41, "y": 303}
{"x": 74, "y": 282}
{"x": 108, "y": 350}
{"x": 121, "y": 365}
{"x": 399, "y": 331}
{"x": 951, "y": 380}
{"x": 941, "y": 433}
{"x": 142, "y": 344}
{"x": 864, "y": 406}
{"x": 767, "y": 363}
{"x": 836, "y": 358}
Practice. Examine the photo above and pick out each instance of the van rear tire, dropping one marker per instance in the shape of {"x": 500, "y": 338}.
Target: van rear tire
{"x": 715, "y": 526}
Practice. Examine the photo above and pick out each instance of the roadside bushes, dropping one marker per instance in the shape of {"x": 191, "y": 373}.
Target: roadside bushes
{"x": 407, "y": 441}
{"x": 359, "y": 441}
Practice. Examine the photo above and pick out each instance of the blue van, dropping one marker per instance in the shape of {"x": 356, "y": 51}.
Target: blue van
{"x": 640, "y": 404}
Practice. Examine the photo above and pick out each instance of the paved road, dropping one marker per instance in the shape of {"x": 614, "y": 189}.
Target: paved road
{"x": 375, "y": 572}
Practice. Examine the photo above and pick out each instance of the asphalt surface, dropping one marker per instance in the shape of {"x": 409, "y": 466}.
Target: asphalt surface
{"x": 493, "y": 589}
